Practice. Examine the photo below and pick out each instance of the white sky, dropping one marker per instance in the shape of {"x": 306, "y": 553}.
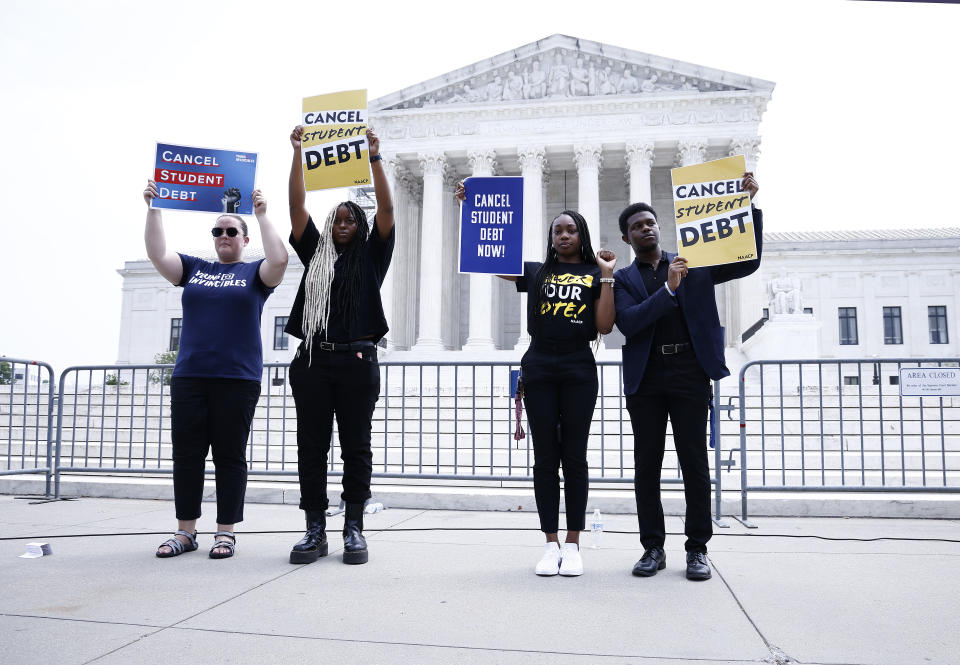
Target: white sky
{"x": 862, "y": 117}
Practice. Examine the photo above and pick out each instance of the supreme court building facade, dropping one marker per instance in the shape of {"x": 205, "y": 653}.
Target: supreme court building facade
{"x": 593, "y": 127}
{"x": 590, "y": 127}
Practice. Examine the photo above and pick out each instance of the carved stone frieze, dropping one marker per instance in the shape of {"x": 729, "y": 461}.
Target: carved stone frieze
{"x": 561, "y": 73}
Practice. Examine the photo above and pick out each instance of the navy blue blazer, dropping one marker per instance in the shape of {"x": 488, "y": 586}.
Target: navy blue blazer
{"x": 638, "y": 312}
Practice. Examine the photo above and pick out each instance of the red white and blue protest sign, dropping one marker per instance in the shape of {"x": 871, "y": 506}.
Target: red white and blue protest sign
{"x": 204, "y": 180}
{"x": 491, "y": 226}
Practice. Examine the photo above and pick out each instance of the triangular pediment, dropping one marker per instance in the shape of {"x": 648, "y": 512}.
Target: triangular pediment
{"x": 562, "y": 67}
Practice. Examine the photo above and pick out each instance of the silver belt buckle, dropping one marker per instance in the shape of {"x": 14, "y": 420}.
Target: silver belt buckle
{"x": 668, "y": 349}
{"x": 327, "y": 346}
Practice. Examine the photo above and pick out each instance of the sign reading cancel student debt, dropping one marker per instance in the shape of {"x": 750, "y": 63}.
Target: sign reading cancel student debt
{"x": 334, "y": 143}
{"x": 712, "y": 211}
{"x": 491, "y": 226}
{"x": 204, "y": 180}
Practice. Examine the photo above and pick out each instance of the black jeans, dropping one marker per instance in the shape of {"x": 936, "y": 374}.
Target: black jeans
{"x": 674, "y": 386}
{"x": 205, "y": 414}
{"x": 337, "y": 383}
{"x": 560, "y": 392}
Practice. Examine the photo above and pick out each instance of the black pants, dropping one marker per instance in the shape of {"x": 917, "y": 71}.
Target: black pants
{"x": 674, "y": 386}
{"x": 337, "y": 383}
{"x": 560, "y": 392}
{"x": 205, "y": 414}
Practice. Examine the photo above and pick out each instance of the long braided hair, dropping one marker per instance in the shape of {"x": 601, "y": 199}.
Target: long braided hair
{"x": 552, "y": 260}
{"x": 319, "y": 280}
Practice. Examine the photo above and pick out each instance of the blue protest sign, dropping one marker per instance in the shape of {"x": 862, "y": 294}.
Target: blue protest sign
{"x": 491, "y": 226}
{"x": 204, "y": 180}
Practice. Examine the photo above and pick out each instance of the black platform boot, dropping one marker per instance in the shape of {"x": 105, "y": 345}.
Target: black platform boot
{"x": 354, "y": 544}
{"x": 313, "y": 545}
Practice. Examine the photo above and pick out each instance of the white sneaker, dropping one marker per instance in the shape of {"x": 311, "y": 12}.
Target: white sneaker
{"x": 549, "y": 564}
{"x": 571, "y": 564}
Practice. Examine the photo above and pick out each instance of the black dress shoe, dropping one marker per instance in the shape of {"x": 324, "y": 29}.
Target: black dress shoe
{"x": 313, "y": 545}
{"x": 354, "y": 544}
{"x": 653, "y": 559}
{"x": 697, "y": 566}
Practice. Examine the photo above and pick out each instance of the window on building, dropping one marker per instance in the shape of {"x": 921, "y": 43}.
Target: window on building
{"x": 281, "y": 341}
{"x": 894, "y": 380}
{"x": 892, "y": 326}
{"x": 848, "y": 325}
{"x": 176, "y": 325}
{"x": 766, "y": 313}
{"x": 808, "y": 310}
{"x": 937, "y": 316}
{"x": 851, "y": 380}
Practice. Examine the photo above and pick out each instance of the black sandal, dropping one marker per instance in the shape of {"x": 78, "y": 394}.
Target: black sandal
{"x": 231, "y": 545}
{"x": 177, "y": 546}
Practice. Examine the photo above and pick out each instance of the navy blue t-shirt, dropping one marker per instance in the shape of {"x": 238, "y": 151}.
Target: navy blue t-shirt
{"x": 222, "y": 304}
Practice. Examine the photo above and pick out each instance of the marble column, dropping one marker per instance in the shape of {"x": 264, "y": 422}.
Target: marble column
{"x": 588, "y": 159}
{"x": 749, "y": 147}
{"x": 451, "y": 260}
{"x": 743, "y": 295}
{"x": 429, "y": 337}
{"x": 639, "y": 159}
{"x": 393, "y": 167}
{"x": 691, "y": 151}
{"x": 532, "y": 164}
{"x": 480, "y": 336}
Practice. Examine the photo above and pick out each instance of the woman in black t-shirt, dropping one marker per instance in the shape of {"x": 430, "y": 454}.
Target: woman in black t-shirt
{"x": 339, "y": 316}
{"x": 570, "y": 302}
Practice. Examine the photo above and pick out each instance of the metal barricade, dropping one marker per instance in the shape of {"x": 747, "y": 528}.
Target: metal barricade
{"x": 433, "y": 421}
{"x": 844, "y": 425}
{"x": 26, "y": 416}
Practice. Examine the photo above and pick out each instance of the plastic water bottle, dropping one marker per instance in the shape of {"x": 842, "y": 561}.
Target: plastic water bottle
{"x": 371, "y": 507}
{"x": 596, "y": 528}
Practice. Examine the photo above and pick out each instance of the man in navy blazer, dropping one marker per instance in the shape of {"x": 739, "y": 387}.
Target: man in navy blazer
{"x": 674, "y": 347}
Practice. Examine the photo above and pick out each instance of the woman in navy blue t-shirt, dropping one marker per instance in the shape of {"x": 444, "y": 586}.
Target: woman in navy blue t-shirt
{"x": 216, "y": 379}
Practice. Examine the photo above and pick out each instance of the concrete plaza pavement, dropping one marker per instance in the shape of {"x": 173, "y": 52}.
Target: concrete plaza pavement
{"x": 458, "y": 587}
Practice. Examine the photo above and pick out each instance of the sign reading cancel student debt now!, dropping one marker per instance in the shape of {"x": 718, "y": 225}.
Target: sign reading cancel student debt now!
{"x": 204, "y": 180}
{"x": 491, "y": 226}
{"x": 334, "y": 143}
{"x": 712, "y": 211}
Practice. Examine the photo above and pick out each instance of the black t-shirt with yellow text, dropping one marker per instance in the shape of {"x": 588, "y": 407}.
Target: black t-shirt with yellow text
{"x": 565, "y": 312}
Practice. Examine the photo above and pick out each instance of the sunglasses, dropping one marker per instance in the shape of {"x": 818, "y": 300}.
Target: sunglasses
{"x": 231, "y": 231}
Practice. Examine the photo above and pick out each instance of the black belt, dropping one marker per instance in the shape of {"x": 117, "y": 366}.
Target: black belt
{"x": 547, "y": 346}
{"x": 344, "y": 346}
{"x": 673, "y": 349}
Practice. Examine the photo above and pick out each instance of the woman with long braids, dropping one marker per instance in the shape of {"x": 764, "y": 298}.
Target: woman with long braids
{"x": 570, "y": 304}
{"x": 339, "y": 316}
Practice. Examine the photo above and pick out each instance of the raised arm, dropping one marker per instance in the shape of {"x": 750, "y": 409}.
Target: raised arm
{"x": 730, "y": 271}
{"x": 605, "y": 313}
{"x": 461, "y": 194}
{"x": 275, "y": 264}
{"x": 167, "y": 263}
{"x": 296, "y": 192}
{"x": 381, "y": 188}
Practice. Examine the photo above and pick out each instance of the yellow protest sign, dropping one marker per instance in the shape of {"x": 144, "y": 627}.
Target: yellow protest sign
{"x": 712, "y": 212}
{"x": 334, "y": 144}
